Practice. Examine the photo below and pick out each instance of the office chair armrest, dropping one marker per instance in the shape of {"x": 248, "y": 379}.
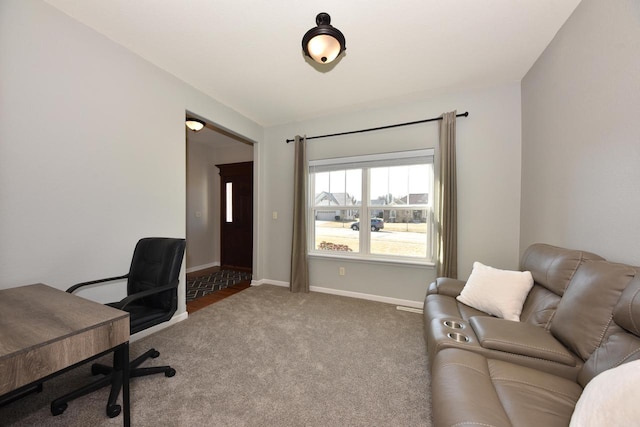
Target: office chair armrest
{"x": 73, "y": 288}
{"x": 126, "y": 301}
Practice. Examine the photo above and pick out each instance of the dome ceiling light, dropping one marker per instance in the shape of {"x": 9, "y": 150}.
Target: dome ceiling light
{"x": 194, "y": 124}
{"x": 323, "y": 43}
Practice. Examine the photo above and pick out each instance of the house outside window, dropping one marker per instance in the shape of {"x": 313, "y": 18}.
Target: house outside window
{"x": 374, "y": 207}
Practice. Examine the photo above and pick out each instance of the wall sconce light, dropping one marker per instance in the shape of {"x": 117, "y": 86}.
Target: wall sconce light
{"x": 323, "y": 43}
{"x": 194, "y": 124}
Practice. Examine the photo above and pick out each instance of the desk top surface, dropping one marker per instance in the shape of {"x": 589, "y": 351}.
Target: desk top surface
{"x": 36, "y": 315}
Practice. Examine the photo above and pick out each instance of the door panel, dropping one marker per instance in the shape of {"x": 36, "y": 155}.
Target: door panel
{"x": 236, "y": 214}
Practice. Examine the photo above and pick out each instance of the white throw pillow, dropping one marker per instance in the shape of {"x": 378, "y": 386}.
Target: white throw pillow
{"x": 610, "y": 399}
{"x": 497, "y": 292}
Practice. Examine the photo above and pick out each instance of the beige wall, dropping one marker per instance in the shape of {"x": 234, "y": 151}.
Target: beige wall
{"x": 92, "y": 150}
{"x": 581, "y": 134}
{"x": 488, "y": 179}
{"x": 203, "y": 200}
{"x": 201, "y": 231}
{"x": 105, "y": 163}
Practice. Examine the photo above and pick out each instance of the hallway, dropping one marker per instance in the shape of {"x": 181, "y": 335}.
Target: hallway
{"x": 219, "y": 295}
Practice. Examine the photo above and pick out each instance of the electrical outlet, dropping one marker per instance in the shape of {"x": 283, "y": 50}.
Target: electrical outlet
{"x": 341, "y": 271}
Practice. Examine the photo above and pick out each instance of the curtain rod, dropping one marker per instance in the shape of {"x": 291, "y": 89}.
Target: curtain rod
{"x": 465, "y": 114}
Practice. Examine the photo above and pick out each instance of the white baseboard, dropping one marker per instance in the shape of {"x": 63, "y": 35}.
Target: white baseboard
{"x": 350, "y": 294}
{"x": 369, "y": 297}
{"x": 410, "y": 309}
{"x": 202, "y": 267}
{"x": 175, "y": 319}
{"x": 269, "y": 282}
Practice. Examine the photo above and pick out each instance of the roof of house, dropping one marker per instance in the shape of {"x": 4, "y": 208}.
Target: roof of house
{"x": 325, "y": 198}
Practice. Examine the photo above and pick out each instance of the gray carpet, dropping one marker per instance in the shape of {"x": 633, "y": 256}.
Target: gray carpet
{"x": 266, "y": 357}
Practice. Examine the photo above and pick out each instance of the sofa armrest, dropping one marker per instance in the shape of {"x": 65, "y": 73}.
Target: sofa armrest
{"x": 520, "y": 338}
{"x": 446, "y": 286}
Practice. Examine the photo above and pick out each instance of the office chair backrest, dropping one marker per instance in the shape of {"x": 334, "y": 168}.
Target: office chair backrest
{"x": 156, "y": 262}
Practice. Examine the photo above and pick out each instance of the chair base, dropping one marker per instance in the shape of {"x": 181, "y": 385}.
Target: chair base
{"x": 13, "y": 397}
{"x": 112, "y": 376}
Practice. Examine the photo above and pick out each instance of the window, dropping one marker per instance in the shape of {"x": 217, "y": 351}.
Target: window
{"x": 373, "y": 207}
{"x": 229, "y": 201}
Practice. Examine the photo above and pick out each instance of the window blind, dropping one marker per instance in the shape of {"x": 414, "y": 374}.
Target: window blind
{"x": 399, "y": 158}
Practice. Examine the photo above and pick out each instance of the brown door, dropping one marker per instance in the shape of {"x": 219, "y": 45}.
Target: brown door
{"x": 236, "y": 215}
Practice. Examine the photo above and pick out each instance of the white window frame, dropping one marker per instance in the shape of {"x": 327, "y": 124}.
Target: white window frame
{"x": 365, "y": 163}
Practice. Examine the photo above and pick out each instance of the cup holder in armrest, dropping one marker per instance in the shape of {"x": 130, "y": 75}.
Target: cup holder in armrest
{"x": 458, "y": 337}
{"x": 453, "y": 324}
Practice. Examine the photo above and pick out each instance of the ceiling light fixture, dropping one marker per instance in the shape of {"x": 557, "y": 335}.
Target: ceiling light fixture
{"x": 323, "y": 43}
{"x": 194, "y": 124}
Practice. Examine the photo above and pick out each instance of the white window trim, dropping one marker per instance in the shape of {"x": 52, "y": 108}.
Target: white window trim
{"x": 372, "y": 159}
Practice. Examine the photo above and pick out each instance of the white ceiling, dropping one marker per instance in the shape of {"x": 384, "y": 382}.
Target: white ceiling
{"x": 248, "y": 55}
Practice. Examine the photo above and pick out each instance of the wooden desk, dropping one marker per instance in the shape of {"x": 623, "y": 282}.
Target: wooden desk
{"x": 44, "y": 330}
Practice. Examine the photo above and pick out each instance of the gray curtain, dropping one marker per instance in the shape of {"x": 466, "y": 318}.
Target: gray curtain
{"x": 299, "y": 281}
{"x": 447, "y": 211}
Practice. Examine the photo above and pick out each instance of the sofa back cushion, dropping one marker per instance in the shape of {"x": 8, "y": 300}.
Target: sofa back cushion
{"x": 627, "y": 312}
{"x": 623, "y": 343}
{"x": 552, "y": 269}
{"x": 585, "y": 312}
{"x": 539, "y": 307}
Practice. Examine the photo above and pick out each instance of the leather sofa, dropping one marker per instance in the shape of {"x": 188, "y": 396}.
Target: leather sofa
{"x": 581, "y": 317}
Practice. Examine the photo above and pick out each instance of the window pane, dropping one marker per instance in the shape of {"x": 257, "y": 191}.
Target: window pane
{"x": 229, "y": 192}
{"x": 400, "y": 232}
{"x": 338, "y": 188}
{"x": 400, "y": 185}
{"x": 335, "y": 230}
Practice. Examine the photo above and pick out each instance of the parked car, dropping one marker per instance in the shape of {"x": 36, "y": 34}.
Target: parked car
{"x": 376, "y": 224}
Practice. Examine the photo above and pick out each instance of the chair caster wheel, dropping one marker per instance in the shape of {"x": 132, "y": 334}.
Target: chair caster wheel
{"x": 170, "y": 372}
{"x": 113, "y": 411}
{"x": 155, "y": 354}
{"x": 58, "y": 409}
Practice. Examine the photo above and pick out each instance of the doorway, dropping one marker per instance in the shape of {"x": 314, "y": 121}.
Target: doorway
{"x": 205, "y": 149}
{"x": 236, "y": 214}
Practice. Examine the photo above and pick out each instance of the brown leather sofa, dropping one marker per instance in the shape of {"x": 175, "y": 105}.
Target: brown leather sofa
{"x": 580, "y": 318}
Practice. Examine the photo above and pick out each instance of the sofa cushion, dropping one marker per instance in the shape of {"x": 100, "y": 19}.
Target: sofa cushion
{"x": 610, "y": 399}
{"x": 553, "y": 267}
{"x": 470, "y": 389}
{"x": 497, "y": 292}
{"x": 586, "y": 310}
{"x": 539, "y": 307}
{"x": 622, "y": 343}
{"x": 520, "y": 338}
{"x": 627, "y": 311}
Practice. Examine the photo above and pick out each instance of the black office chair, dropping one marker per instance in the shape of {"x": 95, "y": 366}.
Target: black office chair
{"x": 152, "y": 298}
